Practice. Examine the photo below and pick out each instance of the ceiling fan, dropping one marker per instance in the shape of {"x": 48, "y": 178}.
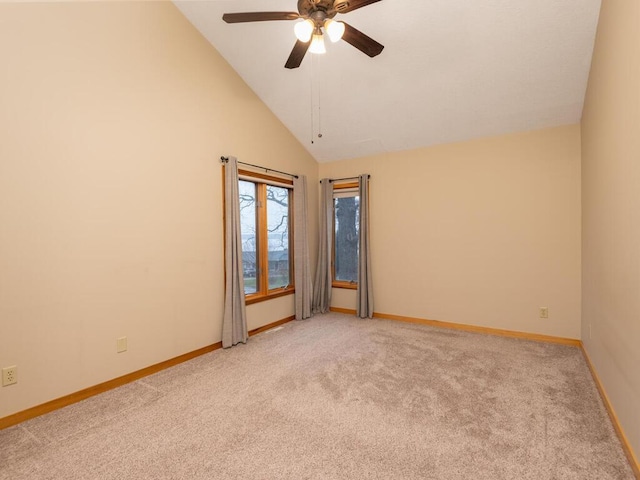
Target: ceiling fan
{"x": 316, "y": 15}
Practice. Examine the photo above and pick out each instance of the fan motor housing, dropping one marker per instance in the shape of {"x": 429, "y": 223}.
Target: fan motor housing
{"x": 307, "y": 7}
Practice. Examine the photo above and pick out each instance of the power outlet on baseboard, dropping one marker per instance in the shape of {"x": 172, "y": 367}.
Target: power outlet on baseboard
{"x": 544, "y": 312}
{"x": 9, "y": 375}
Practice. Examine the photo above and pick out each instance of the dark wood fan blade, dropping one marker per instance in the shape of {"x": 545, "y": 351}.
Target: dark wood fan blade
{"x": 361, "y": 41}
{"x": 297, "y": 54}
{"x": 355, "y": 4}
{"x": 259, "y": 16}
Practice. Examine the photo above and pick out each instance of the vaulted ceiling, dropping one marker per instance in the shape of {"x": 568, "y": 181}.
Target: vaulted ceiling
{"x": 451, "y": 70}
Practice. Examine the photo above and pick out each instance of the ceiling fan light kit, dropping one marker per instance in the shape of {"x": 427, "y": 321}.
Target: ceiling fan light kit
{"x": 334, "y": 29}
{"x": 316, "y": 15}
{"x": 317, "y": 44}
{"x": 304, "y": 30}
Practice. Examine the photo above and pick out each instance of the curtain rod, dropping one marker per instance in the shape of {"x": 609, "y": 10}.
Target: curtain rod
{"x": 331, "y": 180}
{"x": 226, "y": 159}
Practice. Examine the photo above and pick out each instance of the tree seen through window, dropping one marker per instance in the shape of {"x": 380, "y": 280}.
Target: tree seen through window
{"x": 346, "y": 218}
{"x": 265, "y": 232}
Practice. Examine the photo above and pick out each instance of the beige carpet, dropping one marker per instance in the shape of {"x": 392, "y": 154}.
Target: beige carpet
{"x": 337, "y": 397}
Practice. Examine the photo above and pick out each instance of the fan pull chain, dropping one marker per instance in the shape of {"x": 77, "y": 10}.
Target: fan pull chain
{"x": 311, "y": 106}
{"x": 319, "y": 115}
{"x": 315, "y": 101}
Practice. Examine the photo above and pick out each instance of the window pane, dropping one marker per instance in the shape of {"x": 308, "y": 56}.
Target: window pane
{"x": 248, "y": 212}
{"x": 346, "y": 219}
{"x": 278, "y": 236}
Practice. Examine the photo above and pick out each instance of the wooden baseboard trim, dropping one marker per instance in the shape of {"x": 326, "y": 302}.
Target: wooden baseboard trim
{"x": 470, "y": 328}
{"x": 75, "y": 397}
{"x": 348, "y": 311}
{"x": 626, "y": 446}
{"x": 275, "y": 324}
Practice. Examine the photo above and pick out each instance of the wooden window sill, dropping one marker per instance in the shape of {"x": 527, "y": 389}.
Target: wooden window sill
{"x": 347, "y": 285}
{"x": 257, "y": 298}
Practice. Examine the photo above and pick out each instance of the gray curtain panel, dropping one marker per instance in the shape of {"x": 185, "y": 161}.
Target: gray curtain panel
{"x": 234, "y": 324}
{"x": 301, "y": 261}
{"x": 365, "y": 285}
{"x": 322, "y": 286}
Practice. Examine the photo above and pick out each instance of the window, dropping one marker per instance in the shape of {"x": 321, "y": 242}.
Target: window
{"x": 265, "y": 227}
{"x": 346, "y": 213}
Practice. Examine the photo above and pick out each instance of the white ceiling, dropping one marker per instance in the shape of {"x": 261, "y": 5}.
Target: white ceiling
{"x": 451, "y": 70}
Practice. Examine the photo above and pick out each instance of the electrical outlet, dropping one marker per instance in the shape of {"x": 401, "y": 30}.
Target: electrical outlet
{"x": 122, "y": 344}
{"x": 9, "y": 375}
{"x": 544, "y": 312}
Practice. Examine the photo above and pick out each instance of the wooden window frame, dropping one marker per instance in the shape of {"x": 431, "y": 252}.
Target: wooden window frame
{"x": 262, "y": 251}
{"x": 339, "y": 283}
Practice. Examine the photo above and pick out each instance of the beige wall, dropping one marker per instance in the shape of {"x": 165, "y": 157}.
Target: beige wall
{"x": 113, "y": 118}
{"x": 611, "y": 206}
{"x": 483, "y": 232}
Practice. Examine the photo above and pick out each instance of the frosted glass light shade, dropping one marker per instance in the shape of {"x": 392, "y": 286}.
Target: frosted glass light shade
{"x": 304, "y": 30}
{"x": 317, "y": 44}
{"x": 334, "y": 29}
